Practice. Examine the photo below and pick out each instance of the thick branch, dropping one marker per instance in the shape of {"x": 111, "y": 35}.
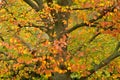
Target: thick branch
{"x": 75, "y": 27}
{"x": 104, "y": 62}
{"x": 103, "y": 13}
{"x": 40, "y": 4}
{"x": 32, "y": 4}
{"x": 64, "y": 2}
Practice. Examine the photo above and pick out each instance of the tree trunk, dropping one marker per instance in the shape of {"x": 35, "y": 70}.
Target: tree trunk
{"x": 61, "y": 23}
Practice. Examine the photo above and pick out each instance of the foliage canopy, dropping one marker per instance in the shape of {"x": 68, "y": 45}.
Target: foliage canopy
{"x": 59, "y": 39}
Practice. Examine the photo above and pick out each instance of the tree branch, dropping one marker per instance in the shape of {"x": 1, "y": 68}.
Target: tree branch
{"x": 25, "y": 43}
{"x": 43, "y": 28}
{"x": 95, "y": 35}
{"x": 104, "y": 62}
{"x": 91, "y": 39}
{"x": 103, "y": 13}
{"x": 1, "y": 38}
{"x": 32, "y": 4}
{"x": 40, "y": 4}
{"x": 86, "y": 8}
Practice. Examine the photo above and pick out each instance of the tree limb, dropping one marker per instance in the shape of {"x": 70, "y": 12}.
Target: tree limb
{"x": 104, "y": 62}
{"x": 95, "y": 35}
{"x": 32, "y": 49}
{"x": 102, "y": 13}
{"x": 40, "y": 4}
{"x": 32, "y": 4}
{"x": 43, "y": 28}
{"x": 91, "y": 39}
{"x": 86, "y": 8}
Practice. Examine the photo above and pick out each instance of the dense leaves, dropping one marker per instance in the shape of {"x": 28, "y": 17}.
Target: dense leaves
{"x": 59, "y": 39}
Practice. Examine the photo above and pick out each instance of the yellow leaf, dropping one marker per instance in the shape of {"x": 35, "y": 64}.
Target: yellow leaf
{"x": 64, "y": 21}
{"x": 12, "y": 40}
{"x": 48, "y": 73}
{"x": 101, "y": 4}
{"x": 115, "y": 10}
{"x": 69, "y": 68}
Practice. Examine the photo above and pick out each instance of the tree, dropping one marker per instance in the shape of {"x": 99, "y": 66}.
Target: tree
{"x": 59, "y": 38}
